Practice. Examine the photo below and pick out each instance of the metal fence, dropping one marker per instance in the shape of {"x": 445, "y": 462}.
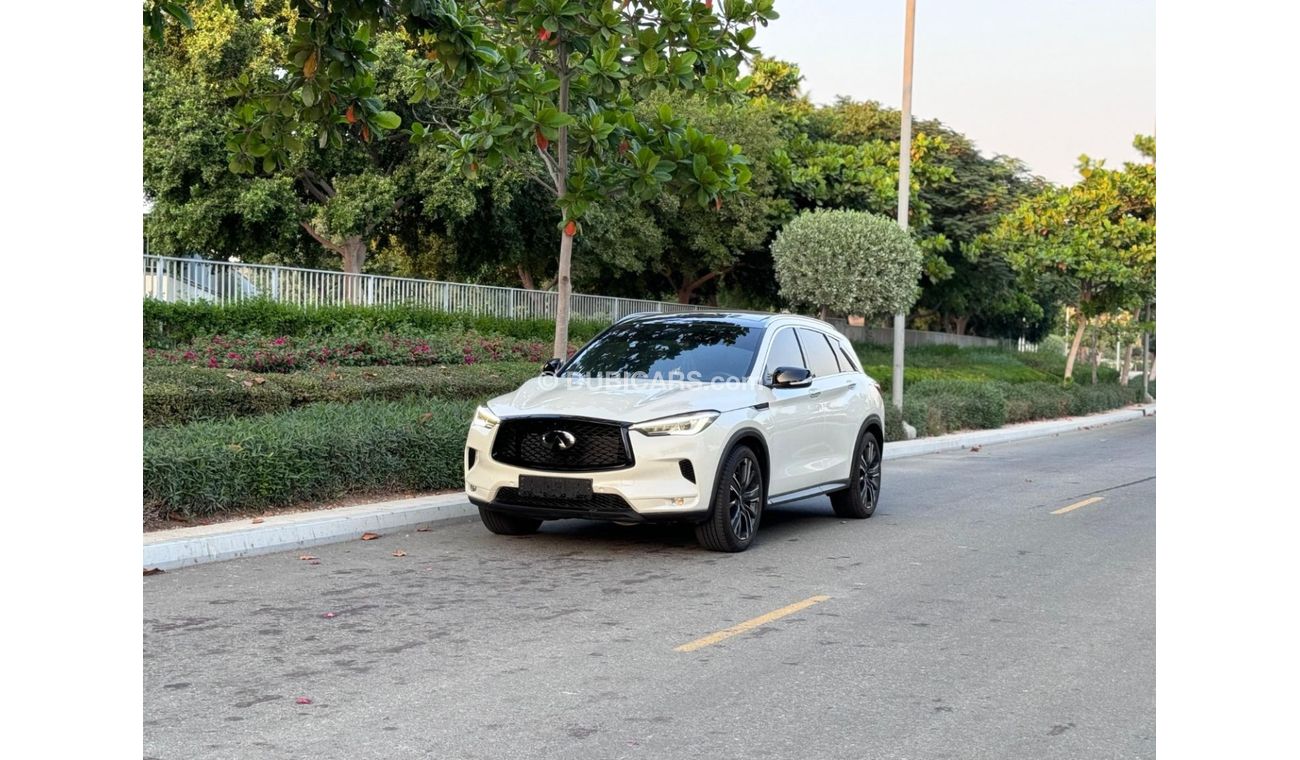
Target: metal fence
{"x": 225, "y": 282}
{"x": 222, "y": 282}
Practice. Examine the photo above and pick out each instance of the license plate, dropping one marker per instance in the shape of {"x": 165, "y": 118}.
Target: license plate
{"x": 539, "y": 487}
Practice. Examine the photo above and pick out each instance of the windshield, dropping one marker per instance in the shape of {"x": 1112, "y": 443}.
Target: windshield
{"x": 670, "y": 349}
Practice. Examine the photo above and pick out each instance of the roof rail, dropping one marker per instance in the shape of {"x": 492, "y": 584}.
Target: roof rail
{"x": 636, "y": 315}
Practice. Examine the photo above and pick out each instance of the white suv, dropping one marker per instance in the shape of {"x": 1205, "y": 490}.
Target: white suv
{"x": 703, "y": 417}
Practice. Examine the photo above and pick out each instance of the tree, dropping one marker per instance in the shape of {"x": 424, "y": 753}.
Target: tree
{"x": 958, "y": 195}
{"x": 848, "y": 262}
{"x": 341, "y": 200}
{"x": 552, "y": 86}
{"x": 692, "y": 247}
{"x": 773, "y": 79}
{"x": 1096, "y": 239}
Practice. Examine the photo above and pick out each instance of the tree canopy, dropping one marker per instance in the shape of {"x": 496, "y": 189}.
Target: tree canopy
{"x": 849, "y": 262}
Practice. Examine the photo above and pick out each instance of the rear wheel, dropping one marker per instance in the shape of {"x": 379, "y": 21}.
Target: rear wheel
{"x": 860, "y": 498}
{"x": 737, "y": 504}
{"x": 505, "y": 524}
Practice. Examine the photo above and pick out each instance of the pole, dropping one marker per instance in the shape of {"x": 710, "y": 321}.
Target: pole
{"x": 904, "y": 189}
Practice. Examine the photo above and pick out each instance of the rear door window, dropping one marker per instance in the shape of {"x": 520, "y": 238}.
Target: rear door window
{"x": 821, "y": 359}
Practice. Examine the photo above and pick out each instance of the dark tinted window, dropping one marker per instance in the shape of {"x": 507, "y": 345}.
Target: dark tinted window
{"x": 821, "y": 359}
{"x": 670, "y": 349}
{"x": 784, "y": 353}
{"x": 848, "y": 360}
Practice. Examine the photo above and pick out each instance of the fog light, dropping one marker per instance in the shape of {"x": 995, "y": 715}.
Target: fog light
{"x": 679, "y": 501}
{"x": 473, "y": 488}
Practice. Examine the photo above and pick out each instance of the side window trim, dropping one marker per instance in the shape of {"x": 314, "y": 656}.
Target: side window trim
{"x": 832, "y": 345}
{"x": 767, "y": 360}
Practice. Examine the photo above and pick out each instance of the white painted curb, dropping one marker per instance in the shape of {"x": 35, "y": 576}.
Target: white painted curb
{"x": 955, "y": 441}
{"x": 180, "y": 547}
{"x": 170, "y": 549}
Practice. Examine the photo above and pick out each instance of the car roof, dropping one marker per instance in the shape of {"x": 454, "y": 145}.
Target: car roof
{"x": 749, "y": 319}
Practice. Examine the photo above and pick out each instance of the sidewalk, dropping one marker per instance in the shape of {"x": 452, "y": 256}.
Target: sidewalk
{"x": 179, "y": 547}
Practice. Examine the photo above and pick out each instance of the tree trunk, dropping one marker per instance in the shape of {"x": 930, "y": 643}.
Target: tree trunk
{"x": 1096, "y": 353}
{"x": 353, "y": 252}
{"x": 1152, "y": 375}
{"x": 684, "y": 293}
{"x": 563, "y": 285}
{"x": 823, "y": 313}
{"x": 563, "y": 288}
{"x": 525, "y": 278}
{"x": 1126, "y": 364}
{"x": 1074, "y": 350}
{"x": 959, "y": 324}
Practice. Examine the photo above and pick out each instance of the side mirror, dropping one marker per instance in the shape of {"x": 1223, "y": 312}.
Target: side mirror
{"x": 552, "y": 366}
{"x": 791, "y": 377}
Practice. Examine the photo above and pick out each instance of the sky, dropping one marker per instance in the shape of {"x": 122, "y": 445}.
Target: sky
{"x": 1041, "y": 80}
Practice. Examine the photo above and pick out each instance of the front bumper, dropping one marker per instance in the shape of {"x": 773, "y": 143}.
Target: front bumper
{"x": 653, "y": 488}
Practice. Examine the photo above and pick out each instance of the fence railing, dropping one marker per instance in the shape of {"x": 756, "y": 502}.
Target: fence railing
{"x": 225, "y": 282}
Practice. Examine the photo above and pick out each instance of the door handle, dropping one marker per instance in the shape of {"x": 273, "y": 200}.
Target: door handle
{"x": 814, "y": 394}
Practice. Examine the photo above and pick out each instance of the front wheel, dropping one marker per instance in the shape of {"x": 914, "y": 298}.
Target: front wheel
{"x": 737, "y": 504}
{"x": 859, "y": 499}
{"x": 505, "y": 524}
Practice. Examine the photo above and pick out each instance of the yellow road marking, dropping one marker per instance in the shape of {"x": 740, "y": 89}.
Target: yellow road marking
{"x": 1078, "y": 504}
{"x": 727, "y": 633}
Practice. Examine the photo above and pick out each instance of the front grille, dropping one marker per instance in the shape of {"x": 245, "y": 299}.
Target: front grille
{"x": 595, "y": 445}
{"x": 599, "y": 502}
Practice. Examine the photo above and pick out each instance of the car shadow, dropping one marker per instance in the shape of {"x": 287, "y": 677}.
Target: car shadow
{"x": 780, "y": 522}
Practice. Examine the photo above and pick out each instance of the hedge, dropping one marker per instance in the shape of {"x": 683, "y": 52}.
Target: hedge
{"x": 287, "y": 354}
{"x": 169, "y": 324}
{"x": 317, "y": 453}
{"x": 944, "y": 406}
{"x": 179, "y": 395}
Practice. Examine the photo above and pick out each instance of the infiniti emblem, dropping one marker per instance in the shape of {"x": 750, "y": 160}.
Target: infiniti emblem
{"x": 559, "y": 440}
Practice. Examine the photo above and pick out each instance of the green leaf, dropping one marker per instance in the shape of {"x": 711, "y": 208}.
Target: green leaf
{"x": 386, "y": 120}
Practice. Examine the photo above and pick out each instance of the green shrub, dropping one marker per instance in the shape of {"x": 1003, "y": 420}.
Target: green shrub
{"x": 1036, "y": 401}
{"x": 1053, "y": 345}
{"x": 170, "y": 324}
{"x": 179, "y": 395}
{"x": 894, "y": 425}
{"x": 286, "y": 354}
{"x": 958, "y": 405}
{"x": 1090, "y": 399}
{"x": 320, "y": 452}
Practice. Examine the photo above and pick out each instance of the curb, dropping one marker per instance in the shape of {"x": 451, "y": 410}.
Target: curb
{"x": 182, "y": 547}
{"x": 1021, "y": 432}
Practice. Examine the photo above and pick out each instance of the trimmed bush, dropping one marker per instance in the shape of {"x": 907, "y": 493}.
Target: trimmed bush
{"x": 317, "y": 453}
{"x": 1037, "y": 401}
{"x": 1090, "y": 399}
{"x": 959, "y": 405}
{"x": 287, "y": 354}
{"x": 167, "y": 325}
{"x": 847, "y": 261}
{"x": 180, "y": 395}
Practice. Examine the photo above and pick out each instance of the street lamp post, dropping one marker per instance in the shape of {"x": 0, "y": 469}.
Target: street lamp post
{"x": 904, "y": 189}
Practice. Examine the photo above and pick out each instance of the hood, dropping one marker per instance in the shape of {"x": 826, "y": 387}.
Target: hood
{"x": 620, "y": 400}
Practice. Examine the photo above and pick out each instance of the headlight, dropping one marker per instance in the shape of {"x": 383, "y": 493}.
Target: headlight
{"x": 686, "y": 424}
{"x": 484, "y": 419}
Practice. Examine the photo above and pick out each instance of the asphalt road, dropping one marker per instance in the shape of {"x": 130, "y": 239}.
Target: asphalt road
{"x": 964, "y": 620}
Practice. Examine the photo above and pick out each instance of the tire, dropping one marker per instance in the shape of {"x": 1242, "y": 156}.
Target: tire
{"x": 737, "y": 506}
{"x": 859, "y": 500}
{"x": 504, "y": 524}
